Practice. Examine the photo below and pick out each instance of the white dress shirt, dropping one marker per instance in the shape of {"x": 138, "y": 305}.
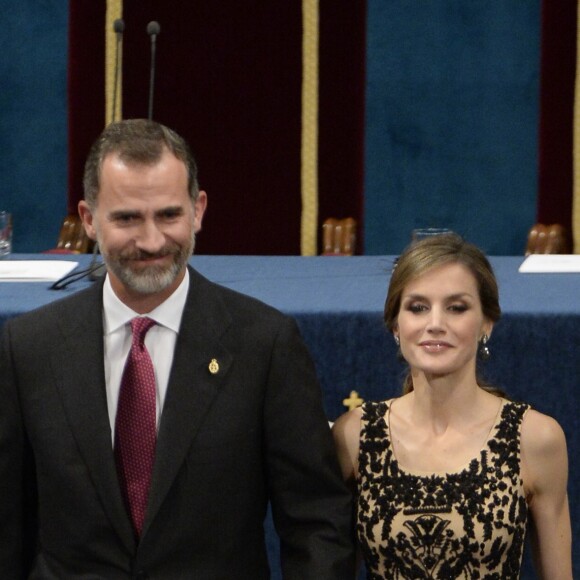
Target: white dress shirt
{"x": 160, "y": 342}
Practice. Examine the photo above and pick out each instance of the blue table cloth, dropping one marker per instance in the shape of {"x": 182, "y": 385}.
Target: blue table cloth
{"x": 338, "y": 303}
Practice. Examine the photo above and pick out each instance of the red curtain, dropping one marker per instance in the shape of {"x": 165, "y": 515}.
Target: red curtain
{"x": 86, "y": 88}
{"x": 558, "y": 68}
{"x": 228, "y": 78}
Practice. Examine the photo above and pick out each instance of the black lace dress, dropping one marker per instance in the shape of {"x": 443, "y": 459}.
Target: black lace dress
{"x": 469, "y": 524}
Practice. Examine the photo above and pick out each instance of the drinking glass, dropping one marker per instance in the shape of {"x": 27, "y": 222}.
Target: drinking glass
{"x": 5, "y": 234}
{"x": 422, "y": 233}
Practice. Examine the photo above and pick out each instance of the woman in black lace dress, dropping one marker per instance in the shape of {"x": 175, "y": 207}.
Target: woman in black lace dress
{"x": 446, "y": 474}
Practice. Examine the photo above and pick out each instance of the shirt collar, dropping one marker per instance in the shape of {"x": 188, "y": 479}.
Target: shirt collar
{"x": 117, "y": 314}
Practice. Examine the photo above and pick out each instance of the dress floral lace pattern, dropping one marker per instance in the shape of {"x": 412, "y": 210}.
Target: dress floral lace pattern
{"x": 470, "y": 524}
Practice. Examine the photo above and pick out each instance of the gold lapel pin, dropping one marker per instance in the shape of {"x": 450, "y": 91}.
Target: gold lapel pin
{"x": 214, "y": 366}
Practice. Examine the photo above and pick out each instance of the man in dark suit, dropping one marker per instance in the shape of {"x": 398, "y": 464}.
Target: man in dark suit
{"x": 236, "y": 411}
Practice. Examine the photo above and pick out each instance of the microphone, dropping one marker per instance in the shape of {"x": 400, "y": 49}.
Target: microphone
{"x": 153, "y": 29}
{"x": 118, "y": 27}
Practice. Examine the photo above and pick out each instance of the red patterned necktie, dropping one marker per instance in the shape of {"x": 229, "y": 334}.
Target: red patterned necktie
{"x": 135, "y": 425}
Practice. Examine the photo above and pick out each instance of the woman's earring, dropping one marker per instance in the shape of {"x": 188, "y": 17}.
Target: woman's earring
{"x": 483, "y": 350}
{"x": 400, "y": 356}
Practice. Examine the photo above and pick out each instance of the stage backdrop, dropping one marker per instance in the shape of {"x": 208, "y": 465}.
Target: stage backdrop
{"x": 558, "y": 69}
{"x": 33, "y": 124}
{"x": 452, "y": 121}
{"x": 229, "y": 78}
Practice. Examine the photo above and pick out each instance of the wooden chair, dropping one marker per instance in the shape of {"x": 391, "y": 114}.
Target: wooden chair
{"x": 73, "y": 238}
{"x": 338, "y": 237}
{"x": 547, "y": 239}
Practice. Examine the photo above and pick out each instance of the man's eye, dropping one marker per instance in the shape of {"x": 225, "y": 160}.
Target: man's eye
{"x": 171, "y": 215}
{"x": 124, "y": 219}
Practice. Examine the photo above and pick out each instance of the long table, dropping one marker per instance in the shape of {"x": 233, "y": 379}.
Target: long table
{"x": 338, "y": 303}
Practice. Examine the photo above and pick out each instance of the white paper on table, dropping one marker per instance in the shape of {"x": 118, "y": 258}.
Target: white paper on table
{"x": 550, "y": 263}
{"x": 35, "y": 270}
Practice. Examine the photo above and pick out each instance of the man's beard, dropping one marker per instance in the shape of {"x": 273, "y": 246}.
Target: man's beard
{"x": 149, "y": 279}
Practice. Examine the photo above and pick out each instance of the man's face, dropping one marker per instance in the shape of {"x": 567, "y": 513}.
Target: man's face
{"x": 145, "y": 224}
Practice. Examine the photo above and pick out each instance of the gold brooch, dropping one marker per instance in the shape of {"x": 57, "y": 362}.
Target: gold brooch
{"x": 214, "y": 366}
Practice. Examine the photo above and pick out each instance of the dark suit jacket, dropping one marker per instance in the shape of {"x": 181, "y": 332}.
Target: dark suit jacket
{"x": 227, "y": 443}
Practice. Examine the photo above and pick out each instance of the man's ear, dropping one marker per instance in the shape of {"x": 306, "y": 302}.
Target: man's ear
{"x": 199, "y": 207}
{"x": 86, "y": 216}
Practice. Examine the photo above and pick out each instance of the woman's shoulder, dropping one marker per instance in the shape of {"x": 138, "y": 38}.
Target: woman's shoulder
{"x": 348, "y": 424}
{"x": 541, "y": 434}
{"x": 346, "y": 432}
{"x": 544, "y": 455}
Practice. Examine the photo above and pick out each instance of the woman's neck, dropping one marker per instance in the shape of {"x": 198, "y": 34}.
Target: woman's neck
{"x": 443, "y": 400}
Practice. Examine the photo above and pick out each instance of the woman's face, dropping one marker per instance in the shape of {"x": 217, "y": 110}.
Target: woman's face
{"x": 440, "y": 321}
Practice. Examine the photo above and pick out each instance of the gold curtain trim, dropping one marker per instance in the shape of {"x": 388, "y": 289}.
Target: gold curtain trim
{"x": 309, "y": 148}
{"x": 114, "y": 11}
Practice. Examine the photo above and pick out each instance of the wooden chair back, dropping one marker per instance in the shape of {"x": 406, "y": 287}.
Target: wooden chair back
{"x": 339, "y": 237}
{"x": 72, "y": 237}
{"x": 547, "y": 239}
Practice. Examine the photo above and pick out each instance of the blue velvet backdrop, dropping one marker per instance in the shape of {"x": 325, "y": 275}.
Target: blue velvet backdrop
{"x": 451, "y": 121}
{"x": 33, "y": 122}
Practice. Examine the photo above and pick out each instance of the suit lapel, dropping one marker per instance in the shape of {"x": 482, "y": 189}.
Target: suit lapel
{"x": 79, "y": 369}
{"x": 200, "y": 364}
{"x": 193, "y": 386}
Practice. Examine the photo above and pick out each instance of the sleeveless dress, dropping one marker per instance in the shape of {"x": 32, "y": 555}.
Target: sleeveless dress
{"x": 469, "y": 525}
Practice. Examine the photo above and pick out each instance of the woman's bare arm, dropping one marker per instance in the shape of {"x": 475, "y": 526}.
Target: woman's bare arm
{"x": 545, "y": 472}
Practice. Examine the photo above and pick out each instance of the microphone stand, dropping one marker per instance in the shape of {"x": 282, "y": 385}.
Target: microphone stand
{"x": 118, "y": 27}
{"x": 153, "y": 29}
